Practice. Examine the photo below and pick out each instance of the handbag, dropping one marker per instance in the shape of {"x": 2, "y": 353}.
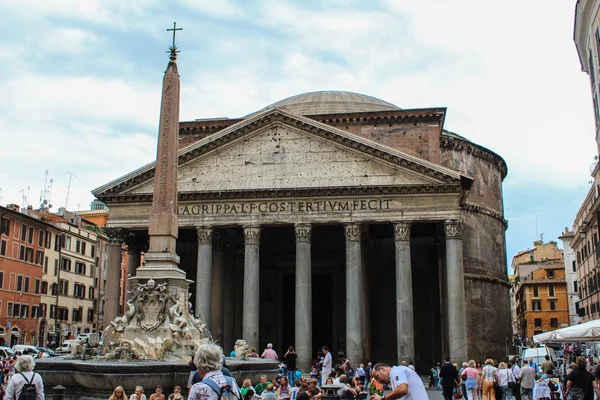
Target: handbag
{"x": 512, "y": 384}
{"x": 457, "y": 393}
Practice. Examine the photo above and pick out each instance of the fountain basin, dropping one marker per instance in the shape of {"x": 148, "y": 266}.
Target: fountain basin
{"x": 95, "y": 379}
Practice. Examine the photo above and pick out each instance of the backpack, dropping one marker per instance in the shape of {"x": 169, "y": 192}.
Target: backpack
{"x": 29, "y": 391}
{"x": 224, "y": 392}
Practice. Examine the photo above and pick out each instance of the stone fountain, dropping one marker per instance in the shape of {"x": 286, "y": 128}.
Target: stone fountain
{"x": 153, "y": 342}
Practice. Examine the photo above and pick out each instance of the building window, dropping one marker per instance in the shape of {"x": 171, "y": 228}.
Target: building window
{"x": 536, "y": 305}
{"x": 48, "y": 240}
{"x": 67, "y": 245}
{"x": 1, "y": 279}
{"x": 63, "y": 287}
{"x": 92, "y": 251}
{"x": 46, "y": 265}
{"x": 574, "y": 264}
{"x": 23, "y": 232}
{"x": 9, "y": 309}
{"x": 39, "y": 257}
{"x": 90, "y": 292}
{"x": 19, "y": 283}
{"x": 551, "y": 290}
{"x": 536, "y": 291}
{"x": 66, "y": 264}
{"x": 26, "y": 286}
{"x": 55, "y": 267}
{"x": 29, "y": 254}
{"x": 552, "y": 304}
{"x": 83, "y": 248}
{"x": 30, "y": 236}
{"x": 17, "y": 310}
{"x": 44, "y": 287}
{"x": 5, "y": 226}
{"x": 79, "y": 291}
{"x": 41, "y": 238}
{"x": 80, "y": 268}
{"x": 35, "y": 311}
{"x": 575, "y": 286}
{"x": 52, "y": 311}
{"x": 43, "y": 310}
{"x": 24, "y": 311}
{"x": 550, "y": 274}
{"x": 2, "y": 247}
{"x": 36, "y": 287}
{"x": 22, "y": 253}
{"x": 77, "y": 246}
{"x": 90, "y": 315}
{"x": 537, "y": 322}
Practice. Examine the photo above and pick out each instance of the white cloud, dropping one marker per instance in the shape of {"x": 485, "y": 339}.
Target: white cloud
{"x": 68, "y": 40}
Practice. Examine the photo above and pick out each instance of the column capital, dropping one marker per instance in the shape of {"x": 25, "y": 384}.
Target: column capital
{"x": 402, "y": 231}
{"x": 115, "y": 235}
{"x": 352, "y": 232}
{"x": 205, "y": 234}
{"x": 303, "y": 233}
{"x": 252, "y": 235}
{"x": 453, "y": 228}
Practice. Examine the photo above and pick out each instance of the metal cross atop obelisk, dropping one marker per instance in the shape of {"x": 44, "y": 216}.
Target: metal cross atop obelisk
{"x": 173, "y": 47}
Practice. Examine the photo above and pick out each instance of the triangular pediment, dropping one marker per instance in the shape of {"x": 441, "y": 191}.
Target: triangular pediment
{"x": 280, "y": 150}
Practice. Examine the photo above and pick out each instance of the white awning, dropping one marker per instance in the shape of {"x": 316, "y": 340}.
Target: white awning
{"x": 576, "y": 333}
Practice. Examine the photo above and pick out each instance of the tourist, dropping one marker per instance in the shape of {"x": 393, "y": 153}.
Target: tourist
{"x": 176, "y": 395}
{"x": 249, "y": 395}
{"x": 10, "y": 368}
{"x": 262, "y": 385}
{"x": 547, "y": 365}
{"x": 479, "y": 381}
{"x": 463, "y": 386}
{"x": 158, "y": 394}
{"x": 581, "y": 384}
{"x": 503, "y": 377}
{"x": 118, "y": 394}
{"x": 527, "y": 380}
{"x": 268, "y": 394}
{"x": 340, "y": 380}
{"x": 327, "y": 363}
{"x": 253, "y": 353}
{"x": 246, "y": 384}
{"x": 345, "y": 365}
{"x": 469, "y": 377}
{"x": 290, "y": 362}
{"x": 360, "y": 373}
{"x": 542, "y": 389}
{"x": 138, "y": 394}
{"x": 295, "y": 389}
{"x": 314, "y": 372}
{"x": 449, "y": 379}
{"x": 24, "y": 365}
{"x": 269, "y": 353}
{"x": 403, "y": 381}
{"x": 488, "y": 374}
{"x": 283, "y": 391}
{"x": 208, "y": 359}
{"x": 329, "y": 381}
{"x": 3, "y": 393}
{"x": 433, "y": 377}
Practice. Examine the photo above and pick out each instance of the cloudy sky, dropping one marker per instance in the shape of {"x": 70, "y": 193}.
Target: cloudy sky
{"x": 80, "y": 84}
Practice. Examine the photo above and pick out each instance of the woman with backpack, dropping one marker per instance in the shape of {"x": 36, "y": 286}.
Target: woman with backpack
{"x": 25, "y": 384}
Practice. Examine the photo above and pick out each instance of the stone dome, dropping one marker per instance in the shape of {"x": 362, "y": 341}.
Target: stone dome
{"x": 332, "y": 102}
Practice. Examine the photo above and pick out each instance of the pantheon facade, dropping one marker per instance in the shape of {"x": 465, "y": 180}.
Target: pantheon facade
{"x": 338, "y": 219}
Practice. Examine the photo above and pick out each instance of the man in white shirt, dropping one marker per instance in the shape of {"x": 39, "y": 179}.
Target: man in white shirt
{"x": 405, "y": 383}
{"x": 326, "y": 366}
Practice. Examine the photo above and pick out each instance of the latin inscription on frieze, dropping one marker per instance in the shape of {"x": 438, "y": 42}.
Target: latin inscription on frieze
{"x": 295, "y": 206}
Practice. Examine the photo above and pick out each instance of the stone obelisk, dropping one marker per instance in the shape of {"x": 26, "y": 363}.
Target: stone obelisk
{"x": 167, "y": 314}
{"x": 161, "y": 260}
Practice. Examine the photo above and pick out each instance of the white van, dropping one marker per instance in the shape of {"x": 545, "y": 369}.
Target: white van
{"x": 26, "y": 349}
{"x": 538, "y": 356}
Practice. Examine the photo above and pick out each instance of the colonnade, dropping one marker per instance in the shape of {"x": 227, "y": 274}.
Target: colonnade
{"x": 217, "y": 309}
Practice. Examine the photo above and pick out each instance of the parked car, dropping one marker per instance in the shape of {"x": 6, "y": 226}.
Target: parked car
{"x": 6, "y": 352}
{"x": 65, "y": 348}
{"x": 25, "y": 349}
{"x": 49, "y": 352}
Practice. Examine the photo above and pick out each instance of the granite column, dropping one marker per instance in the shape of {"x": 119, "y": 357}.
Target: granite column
{"x": 204, "y": 275}
{"x": 133, "y": 262}
{"x": 112, "y": 292}
{"x": 303, "y": 320}
{"x": 218, "y": 287}
{"x": 250, "y": 316}
{"x": 455, "y": 291}
{"x": 404, "y": 300}
{"x": 354, "y": 309}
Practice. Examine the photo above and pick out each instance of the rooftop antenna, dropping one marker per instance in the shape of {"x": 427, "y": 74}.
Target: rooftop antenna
{"x": 69, "y": 189}
{"x": 28, "y": 191}
{"x": 45, "y": 186}
{"x": 50, "y": 190}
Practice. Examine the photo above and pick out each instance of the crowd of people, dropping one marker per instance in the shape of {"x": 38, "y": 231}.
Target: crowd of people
{"x": 578, "y": 379}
